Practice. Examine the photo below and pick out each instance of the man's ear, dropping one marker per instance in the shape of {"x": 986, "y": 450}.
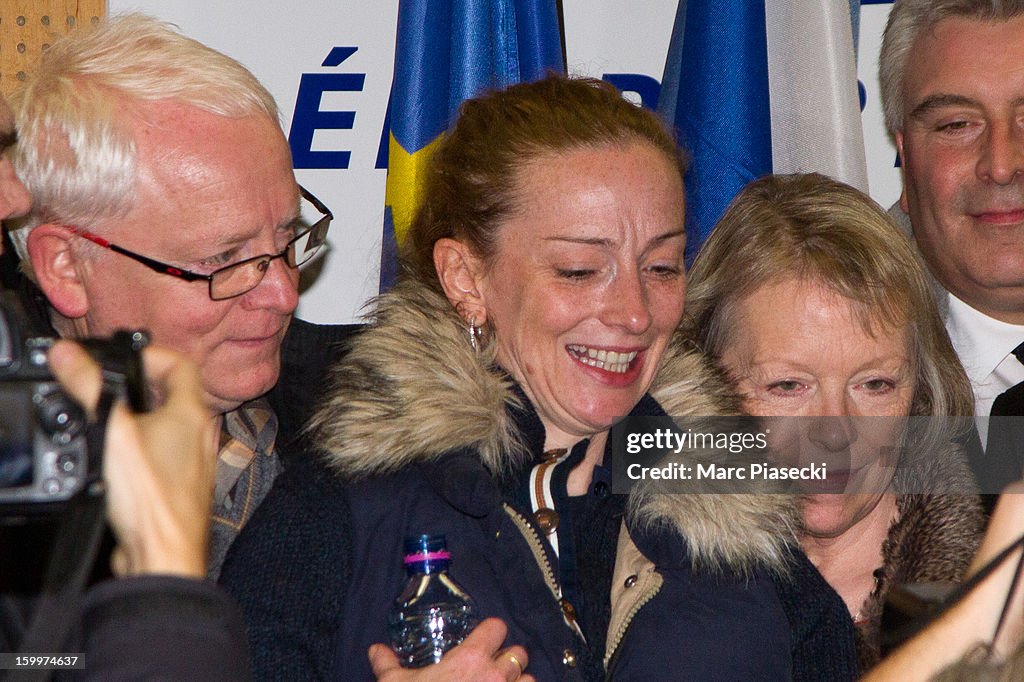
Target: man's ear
{"x": 58, "y": 269}
{"x": 903, "y": 171}
{"x": 460, "y": 271}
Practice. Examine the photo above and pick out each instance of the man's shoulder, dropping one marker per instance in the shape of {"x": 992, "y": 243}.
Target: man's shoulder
{"x": 21, "y": 289}
{"x": 307, "y": 501}
{"x": 310, "y": 349}
{"x": 902, "y": 220}
{"x": 307, "y": 343}
{"x": 308, "y": 352}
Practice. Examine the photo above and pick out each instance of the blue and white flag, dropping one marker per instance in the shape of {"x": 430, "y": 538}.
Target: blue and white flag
{"x": 758, "y": 87}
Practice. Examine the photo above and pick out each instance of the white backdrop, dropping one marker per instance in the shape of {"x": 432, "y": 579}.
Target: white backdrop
{"x": 281, "y": 41}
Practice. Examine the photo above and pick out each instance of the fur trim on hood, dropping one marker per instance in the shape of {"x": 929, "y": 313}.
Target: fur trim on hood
{"x": 933, "y": 539}
{"x": 412, "y": 389}
{"x": 741, "y": 530}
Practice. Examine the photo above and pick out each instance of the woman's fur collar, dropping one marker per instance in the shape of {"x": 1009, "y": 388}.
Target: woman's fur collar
{"x": 741, "y": 530}
{"x": 412, "y": 389}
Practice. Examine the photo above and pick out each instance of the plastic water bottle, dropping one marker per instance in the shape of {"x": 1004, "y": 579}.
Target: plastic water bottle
{"x": 433, "y": 613}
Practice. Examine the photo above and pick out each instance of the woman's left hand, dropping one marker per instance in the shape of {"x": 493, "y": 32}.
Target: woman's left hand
{"x": 479, "y": 658}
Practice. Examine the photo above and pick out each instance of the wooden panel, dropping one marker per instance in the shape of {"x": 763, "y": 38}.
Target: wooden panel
{"x": 27, "y": 27}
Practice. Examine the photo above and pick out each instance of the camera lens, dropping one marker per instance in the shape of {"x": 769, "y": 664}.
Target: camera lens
{"x": 60, "y": 417}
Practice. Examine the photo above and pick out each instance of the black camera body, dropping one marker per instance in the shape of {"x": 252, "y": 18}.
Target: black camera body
{"x": 48, "y": 449}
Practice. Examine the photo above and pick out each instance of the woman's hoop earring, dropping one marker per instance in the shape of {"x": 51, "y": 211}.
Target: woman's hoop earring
{"x": 474, "y": 334}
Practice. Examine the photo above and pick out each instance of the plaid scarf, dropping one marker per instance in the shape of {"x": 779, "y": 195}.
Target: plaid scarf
{"x": 247, "y": 465}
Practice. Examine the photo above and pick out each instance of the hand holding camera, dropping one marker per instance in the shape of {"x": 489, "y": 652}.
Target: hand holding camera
{"x": 158, "y": 466}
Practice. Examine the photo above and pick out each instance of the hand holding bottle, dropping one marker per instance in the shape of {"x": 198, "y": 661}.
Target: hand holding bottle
{"x": 479, "y": 657}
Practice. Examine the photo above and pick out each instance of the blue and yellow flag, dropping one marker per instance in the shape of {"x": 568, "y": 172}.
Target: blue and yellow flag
{"x": 448, "y": 51}
{"x": 758, "y": 87}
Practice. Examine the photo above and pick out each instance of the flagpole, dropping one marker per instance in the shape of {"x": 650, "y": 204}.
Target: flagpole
{"x": 561, "y": 36}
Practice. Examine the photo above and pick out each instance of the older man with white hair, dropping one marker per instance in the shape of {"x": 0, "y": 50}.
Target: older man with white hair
{"x": 164, "y": 199}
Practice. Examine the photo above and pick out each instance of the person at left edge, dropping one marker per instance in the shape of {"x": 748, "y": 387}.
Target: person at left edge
{"x": 145, "y": 150}
{"x": 134, "y": 137}
{"x": 138, "y": 625}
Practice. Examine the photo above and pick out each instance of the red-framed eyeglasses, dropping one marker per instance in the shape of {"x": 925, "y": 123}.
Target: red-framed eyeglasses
{"x": 241, "y": 277}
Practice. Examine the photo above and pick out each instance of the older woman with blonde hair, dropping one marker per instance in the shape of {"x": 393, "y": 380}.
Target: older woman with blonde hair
{"x": 816, "y": 306}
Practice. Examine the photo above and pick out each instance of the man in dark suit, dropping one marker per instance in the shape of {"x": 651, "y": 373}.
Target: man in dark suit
{"x": 953, "y": 95}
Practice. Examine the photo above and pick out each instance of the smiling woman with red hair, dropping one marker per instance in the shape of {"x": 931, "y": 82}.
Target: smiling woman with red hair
{"x": 543, "y": 281}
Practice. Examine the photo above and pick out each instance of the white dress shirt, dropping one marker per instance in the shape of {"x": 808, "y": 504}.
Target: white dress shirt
{"x": 985, "y": 347}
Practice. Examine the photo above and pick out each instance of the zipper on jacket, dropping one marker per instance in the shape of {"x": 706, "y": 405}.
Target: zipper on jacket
{"x": 609, "y": 656}
{"x": 537, "y": 545}
{"x": 533, "y": 538}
